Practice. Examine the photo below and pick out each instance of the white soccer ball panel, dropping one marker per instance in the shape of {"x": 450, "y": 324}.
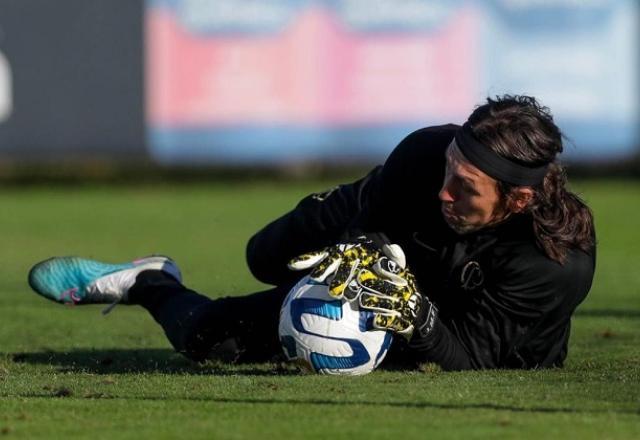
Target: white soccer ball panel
{"x": 331, "y": 336}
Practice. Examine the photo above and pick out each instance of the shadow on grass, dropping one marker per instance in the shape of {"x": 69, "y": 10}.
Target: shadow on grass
{"x": 147, "y": 360}
{"x": 422, "y": 405}
{"x": 609, "y": 313}
{"x": 367, "y": 403}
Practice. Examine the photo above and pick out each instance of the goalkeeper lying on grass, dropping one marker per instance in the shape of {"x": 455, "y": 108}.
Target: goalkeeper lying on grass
{"x": 477, "y": 250}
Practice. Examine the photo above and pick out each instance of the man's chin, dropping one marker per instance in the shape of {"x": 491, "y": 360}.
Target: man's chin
{"x": 461, "y": 228}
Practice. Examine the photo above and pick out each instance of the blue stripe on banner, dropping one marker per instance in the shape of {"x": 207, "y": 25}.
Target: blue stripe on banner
{"x": 251, "y": 145}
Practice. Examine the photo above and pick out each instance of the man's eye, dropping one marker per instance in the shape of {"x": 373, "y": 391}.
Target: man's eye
{"x": 462, "y": 183}
{"x": 469, "y": 188}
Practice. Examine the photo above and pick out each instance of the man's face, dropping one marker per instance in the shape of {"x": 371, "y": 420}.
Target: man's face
{"x": 470, "y": 198}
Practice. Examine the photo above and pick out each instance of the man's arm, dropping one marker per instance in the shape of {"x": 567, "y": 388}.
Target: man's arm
{"x": 319, "y": 220}
{"x": 394, "y": 199}
{"x": 519, "y": 319}
{"x": 440, "y": 346}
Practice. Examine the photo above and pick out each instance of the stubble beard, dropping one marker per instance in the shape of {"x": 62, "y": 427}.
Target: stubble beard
{"x": 461, "y": 227}
{"x": 457, "y": 222}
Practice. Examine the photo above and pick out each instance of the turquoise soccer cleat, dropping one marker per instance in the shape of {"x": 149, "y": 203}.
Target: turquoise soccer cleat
{"x": 75, "y": 280}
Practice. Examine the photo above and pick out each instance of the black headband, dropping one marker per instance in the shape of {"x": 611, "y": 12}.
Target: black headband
{"x": 496, "y": 166}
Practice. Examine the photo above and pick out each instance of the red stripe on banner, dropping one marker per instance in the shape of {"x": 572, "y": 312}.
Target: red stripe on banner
{"x": 315, "y": 71}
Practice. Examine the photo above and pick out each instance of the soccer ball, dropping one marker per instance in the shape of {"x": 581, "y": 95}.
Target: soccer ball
{"x": 328, "y": 335}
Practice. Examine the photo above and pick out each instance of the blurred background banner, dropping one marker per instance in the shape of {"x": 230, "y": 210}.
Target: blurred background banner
{"x": 279, "y": 81}
{"x": 299, "y": 80}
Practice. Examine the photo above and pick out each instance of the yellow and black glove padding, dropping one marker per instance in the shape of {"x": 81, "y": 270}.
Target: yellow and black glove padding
{"x": 390, "y": 291}
{"x": 338, "y": 266}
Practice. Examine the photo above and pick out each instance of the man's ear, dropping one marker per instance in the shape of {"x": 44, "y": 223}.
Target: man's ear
{"x": 520, "y": 198}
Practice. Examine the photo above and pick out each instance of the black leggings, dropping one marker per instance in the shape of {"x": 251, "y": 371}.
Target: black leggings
{"x": 243, "y": 329}
{"x": 233, "y": 329}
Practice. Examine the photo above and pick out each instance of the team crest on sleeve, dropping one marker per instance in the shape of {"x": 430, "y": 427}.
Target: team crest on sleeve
{"x": 471, "y": 276}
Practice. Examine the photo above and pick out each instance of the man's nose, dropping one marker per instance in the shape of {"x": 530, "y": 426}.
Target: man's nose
{"x": 445, "y": 193}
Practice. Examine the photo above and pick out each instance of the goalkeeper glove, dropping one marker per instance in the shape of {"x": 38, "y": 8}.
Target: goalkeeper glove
{"x": 340, "y": 265}
{"x": 378, "y": 277}
{"x": 390, "y": 291}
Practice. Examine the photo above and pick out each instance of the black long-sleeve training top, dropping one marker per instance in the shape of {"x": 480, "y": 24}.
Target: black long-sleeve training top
{"x": 502, "y": 302}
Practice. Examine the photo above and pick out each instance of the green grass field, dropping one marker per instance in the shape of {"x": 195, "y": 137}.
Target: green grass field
{"x": 70, "y": 372}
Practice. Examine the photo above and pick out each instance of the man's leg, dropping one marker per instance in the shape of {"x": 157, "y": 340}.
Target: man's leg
{"x": 246, "y": 327}
{"x": 240, "y": 329}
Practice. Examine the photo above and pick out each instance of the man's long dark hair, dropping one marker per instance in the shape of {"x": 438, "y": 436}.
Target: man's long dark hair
{"x": 520, "y": 129}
